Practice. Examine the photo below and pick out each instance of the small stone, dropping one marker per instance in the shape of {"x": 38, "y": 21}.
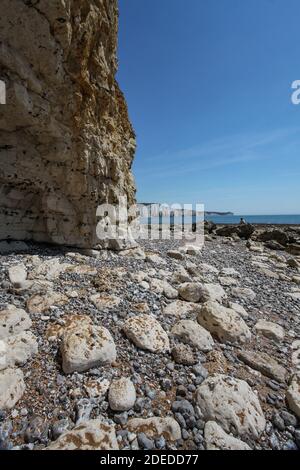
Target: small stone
{"x": 60, "y": 427}
{"x": 243, "y": 293}
{"x": 145, "y": 442}
{"x": 297, "y": 437}
{"x": 288, "y": 418}
{"x": 17, "y": 275}
{"x": 160, "y": 443}
{"x": 121, "y": 419}
{"x": 175, "y": 254}
{"x": 121, "y": 395}
{"x": 199, "y": 370}
{"x": 278, "y": 422}
{"x": 190, "y": 291}
{"x": 184, "y": 407}
{"x": 37, "y": 430}
{"x": 102, "y": 301}
{"x": 17, "y": 349}
{"x": 183, "y": 354}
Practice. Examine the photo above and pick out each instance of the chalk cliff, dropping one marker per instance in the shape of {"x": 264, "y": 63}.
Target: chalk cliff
{"x": 66, "y": 142}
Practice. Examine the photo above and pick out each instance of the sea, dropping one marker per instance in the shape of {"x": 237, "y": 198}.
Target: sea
{"x": 231, "y": 219}
{"x": 256, "y": 219}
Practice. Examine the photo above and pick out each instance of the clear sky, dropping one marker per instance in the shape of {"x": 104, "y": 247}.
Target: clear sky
{"x": 208, "y": 85}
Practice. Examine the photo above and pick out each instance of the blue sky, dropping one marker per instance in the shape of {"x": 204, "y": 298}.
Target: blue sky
{"x": 208, "y": 85}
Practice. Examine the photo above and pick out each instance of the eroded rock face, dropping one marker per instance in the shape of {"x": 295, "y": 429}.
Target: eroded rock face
{"x": 66, "y": 143}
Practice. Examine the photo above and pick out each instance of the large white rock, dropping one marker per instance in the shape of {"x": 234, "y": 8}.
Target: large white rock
{"x": 270, "y": 330}
{"x": 175, "y": 254}
{"x": 293, "y": 395}
{"x": 146, "y": 333}
{"x": 190, "y": 291}
{"x": 104, "y": 301}
{"x": 88, "y": 435}
{"x": 121, "y": 395}
{"x": 169, "y": 291}
{"x": 40, "y": 303}
{"x": 17, "y": 275}
{"x": 213, "y": 292}
{"x": 85, "y": 346}
{"x": 17, "y": 349}
{"x": 232, "y": 404}
{"x": 13, "y": 321}
{"x": 217, "y": 439}
{"x": 12, "y": 387}
{"x": 197, "y": 292}
{"x": 155, "y": 427}
{"x": 223, "y": 322}
{"x": 243, "y": 293}
{"x": 154, "y": 258}
{"x": 230, "y": 272}
{"x": 49, "y": 269}
{"x": 179, "y": 308}
{"x": 181, "y": 276}
{"x": 239, "y": 309}
{"x": 193, "y": 334}
{"x": 264, "y": 363}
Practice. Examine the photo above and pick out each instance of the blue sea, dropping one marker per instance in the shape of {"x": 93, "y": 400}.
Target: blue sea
{"x": 232, "y": 219}
{"x": 256, "y": 219}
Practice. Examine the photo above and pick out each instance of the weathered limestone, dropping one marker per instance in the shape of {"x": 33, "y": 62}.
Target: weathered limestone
{"x": 88, "y": 435}
{"x": 179, "y": 308}
{"x": 13, "y": 321}
{"x": 264, "y": 364}
{"x": 217, "y": 439}
{"x": 155, "y": 427}
{"x": 191, "y": 333}
{"x": 223, "y": 322}
{"x": 121, "y": 394}
{"x": 270, "y": 330}
{"x": 146, "y": 333}
{"x": 232, "y": 404}
{"x": 293, "y": 395}
{"x": 66, "y": 143}
{"x": 17, "y": 349}
{"x": 85, "y": 346}
{"x": 12, "y": 387}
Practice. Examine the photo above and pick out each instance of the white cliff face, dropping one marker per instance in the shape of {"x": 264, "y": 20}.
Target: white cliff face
{"x": 66, "y": 143}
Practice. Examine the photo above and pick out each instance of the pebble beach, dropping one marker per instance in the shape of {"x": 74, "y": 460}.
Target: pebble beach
{"x": 157, "y": 347}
